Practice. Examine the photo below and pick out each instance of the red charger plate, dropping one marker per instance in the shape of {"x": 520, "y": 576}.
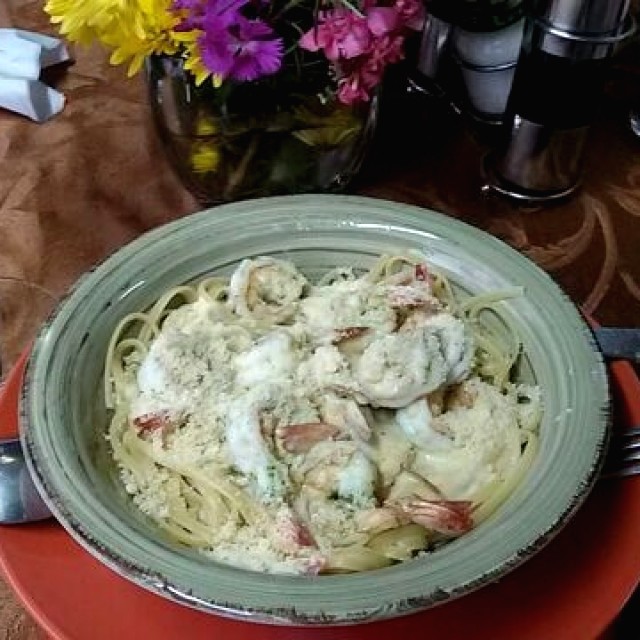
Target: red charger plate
{"x": 572, "y": 589}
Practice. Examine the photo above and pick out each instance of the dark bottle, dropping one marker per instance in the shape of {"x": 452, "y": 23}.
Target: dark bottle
{"x": 556, "y": 93}
{"x": 552, "y": 89}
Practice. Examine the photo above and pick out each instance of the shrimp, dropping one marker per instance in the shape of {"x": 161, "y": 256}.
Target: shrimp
{"x": 339, "y": 418}
{"x": 417, "y": 424}
{"x": 428, "y": 351}
{"x": 393, "y": 452}
{"x": 266, "y": 288}
{"x": 448, "y": 517}
{"x": 300, "y": 438}
{"x": 455, "y": 339}
{"x": 401, "y": 296}
{"x": 248, "y": 450}
{"x": 345, "y": 310}
{"x": 325, "y": 368}
{"x": 151, "y": 422}
{"x": 339, "y": 469}
{"x": 408, "y": 484}
{"x": 396, "y": 369}
{"x": 290, "y": 532}
{"x": 347, "y": 415}
{"x": 272, "y": 358}
{"x": 332, "y": 519}
{"x": 320, "y": 467}
{"x": 293, "y": 537}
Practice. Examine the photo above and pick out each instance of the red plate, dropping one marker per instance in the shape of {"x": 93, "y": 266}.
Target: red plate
{"x": 573, "y": 588}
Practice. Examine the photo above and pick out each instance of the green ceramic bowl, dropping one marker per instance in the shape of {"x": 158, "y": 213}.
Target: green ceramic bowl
{"x": 63, "y": 418}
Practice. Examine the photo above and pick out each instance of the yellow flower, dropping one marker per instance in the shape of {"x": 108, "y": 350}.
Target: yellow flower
{"x": 205, "y": 158}
{"x": 206, "y": 126}
{"x": 134, "y": 29}
{"x": 193, "y": 61}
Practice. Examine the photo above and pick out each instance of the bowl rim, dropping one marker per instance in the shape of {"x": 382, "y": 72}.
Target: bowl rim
{"x": 291, "y": 613}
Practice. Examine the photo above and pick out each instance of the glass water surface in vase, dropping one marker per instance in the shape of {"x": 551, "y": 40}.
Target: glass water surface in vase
{"x": 257, "y": 139}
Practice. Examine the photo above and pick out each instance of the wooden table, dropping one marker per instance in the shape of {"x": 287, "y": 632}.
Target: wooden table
{"x": 78, "y": 187}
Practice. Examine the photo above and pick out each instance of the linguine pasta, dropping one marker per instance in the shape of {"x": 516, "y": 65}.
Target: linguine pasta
{"x": 349, "y": 424}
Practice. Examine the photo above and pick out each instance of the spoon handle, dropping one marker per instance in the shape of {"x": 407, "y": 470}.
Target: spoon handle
{"x": 619, "y": 342}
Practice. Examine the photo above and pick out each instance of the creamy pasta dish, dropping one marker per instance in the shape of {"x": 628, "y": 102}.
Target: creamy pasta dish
{"x": 289, "y": 426}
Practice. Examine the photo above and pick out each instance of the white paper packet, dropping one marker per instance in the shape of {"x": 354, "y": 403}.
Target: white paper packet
{"x": 23, "y": 54}
{"x": 31, "y": 98}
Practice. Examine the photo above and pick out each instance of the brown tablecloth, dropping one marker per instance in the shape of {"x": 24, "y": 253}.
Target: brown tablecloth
{"x": 77, "y": 187}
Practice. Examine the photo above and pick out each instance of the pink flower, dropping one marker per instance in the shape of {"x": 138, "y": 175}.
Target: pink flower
{"x": 361, "y": 46}
{"x": 340, "y": 34}
{"x": 381, "y": 20}
{"x": 411, "y": 13}
{"x": 351, "y": 90}
{"x": 358, "y": 85}
{"x": 385, "y": 51}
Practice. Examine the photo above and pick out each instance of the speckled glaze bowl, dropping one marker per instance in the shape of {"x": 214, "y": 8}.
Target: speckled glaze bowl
{"x": 63, "y": 419}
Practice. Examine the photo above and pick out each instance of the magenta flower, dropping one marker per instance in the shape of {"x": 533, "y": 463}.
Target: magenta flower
{"x": 236, "y": 41}
{"x": 196, "y": 13}
{"x": 242, "y": 50}
{"x": 191, "y": 12}
{"x": 231, "y": 45}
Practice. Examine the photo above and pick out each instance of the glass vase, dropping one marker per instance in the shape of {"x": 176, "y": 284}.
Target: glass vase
{"x": 257, "y": 139}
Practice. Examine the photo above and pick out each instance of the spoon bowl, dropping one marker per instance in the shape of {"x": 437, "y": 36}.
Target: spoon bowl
{"x": 20, "y": 501}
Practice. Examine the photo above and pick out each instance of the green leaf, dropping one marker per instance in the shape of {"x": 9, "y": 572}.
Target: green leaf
{"x": 330, "y": 129}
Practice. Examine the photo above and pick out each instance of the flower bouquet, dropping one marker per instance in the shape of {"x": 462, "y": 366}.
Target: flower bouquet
{"x": 254, "y": 97}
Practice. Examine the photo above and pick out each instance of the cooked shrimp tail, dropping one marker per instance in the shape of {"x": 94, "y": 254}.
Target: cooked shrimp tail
{"x": 300, "y": 438}
{"x": 450, "y": 517}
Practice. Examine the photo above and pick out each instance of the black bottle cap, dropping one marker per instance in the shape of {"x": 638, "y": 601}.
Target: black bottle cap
{"x": 586, "y": 17}
{"x": 479, "y": 15}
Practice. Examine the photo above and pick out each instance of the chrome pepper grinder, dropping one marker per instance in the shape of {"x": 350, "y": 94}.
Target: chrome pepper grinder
{"x": 555, "y": 95}
{"x": 433, "y": 50}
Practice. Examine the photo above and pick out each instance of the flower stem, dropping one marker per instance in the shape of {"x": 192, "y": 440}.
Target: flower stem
{"x": 236, "y": 178}
{"x": 352, "y": 7}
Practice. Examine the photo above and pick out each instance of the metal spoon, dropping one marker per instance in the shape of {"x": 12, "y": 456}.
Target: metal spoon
{"x": 19, "y": 499}
{"x": 23, "y": 306}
